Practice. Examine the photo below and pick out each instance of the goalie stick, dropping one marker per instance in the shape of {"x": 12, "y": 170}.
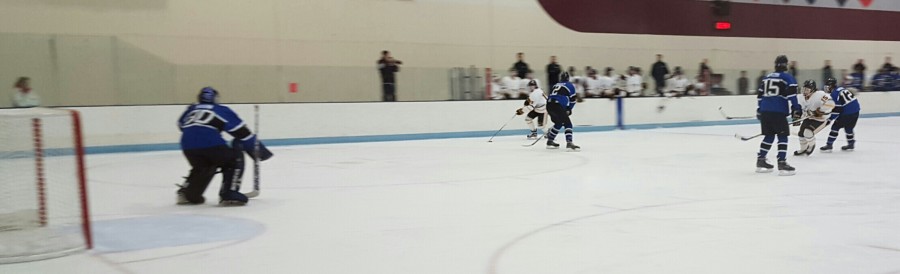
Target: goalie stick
{"x": 255, "y": 191}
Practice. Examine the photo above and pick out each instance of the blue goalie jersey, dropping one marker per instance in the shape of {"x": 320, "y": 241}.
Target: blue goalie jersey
{"x": 201, "y": 126}
{"x": 776, "y": 90}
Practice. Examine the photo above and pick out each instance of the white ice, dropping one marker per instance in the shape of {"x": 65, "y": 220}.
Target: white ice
{"x": 680, "y": 200}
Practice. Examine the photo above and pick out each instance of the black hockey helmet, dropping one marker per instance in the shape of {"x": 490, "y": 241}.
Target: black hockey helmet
{"x": 830, "y": 83}
{"x": 208, "y": 95}
{"x": 532, "y": 83}
{"x": 781, "y": 63}
{"x": 564, "y": 76}
{"x": 811, "y": 84}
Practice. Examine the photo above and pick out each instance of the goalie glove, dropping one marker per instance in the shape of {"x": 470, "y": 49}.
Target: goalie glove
{"x": 248, "y": 146}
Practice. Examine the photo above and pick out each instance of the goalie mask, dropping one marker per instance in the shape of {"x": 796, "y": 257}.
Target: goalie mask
{"x": 809, "y": 87}
{"x": 208, "y": 95}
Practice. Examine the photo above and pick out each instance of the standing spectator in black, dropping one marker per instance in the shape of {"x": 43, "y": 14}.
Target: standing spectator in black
{"x": 387, "y": 65}
{"x": 793, "y": 68}
{"x": 704, "y": 78}
{"x": 859, "y": 66}
{"x": 826, "y": 71}
{"x": 887, "y": 64}
{"x": 743, "y": 83}
{"x": 659, "y": 70}
{"x": 704, "y": 67}
{"x": 521, "y": 67}
{"x": 553, "y": 70}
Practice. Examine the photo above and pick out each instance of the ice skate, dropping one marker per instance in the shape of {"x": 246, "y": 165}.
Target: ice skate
{"x": 181, "y": 199}
{"x": 532, "y": 136}
{"x": 827, "y": 148}
{"x": 849, "y": 147}
{"x": 762, "y": 166}
{"x": 232, "y": 198}
{"x": 784, "y": 169}
{"x": 552, "y": 145}
{"x": 572, "y": 147}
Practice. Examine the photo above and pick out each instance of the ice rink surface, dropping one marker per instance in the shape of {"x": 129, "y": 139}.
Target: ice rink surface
{"x": 679, "y": 200}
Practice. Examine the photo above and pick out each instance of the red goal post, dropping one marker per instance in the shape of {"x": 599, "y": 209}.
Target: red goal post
{"x": 44, "y": 204}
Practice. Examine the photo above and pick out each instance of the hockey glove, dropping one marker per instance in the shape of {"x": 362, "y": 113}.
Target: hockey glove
{"x": 527, "y": 101}
{"x": 795, "y": 116}
{"x": 520, "y": 111}
{"x": 569, "y": 112}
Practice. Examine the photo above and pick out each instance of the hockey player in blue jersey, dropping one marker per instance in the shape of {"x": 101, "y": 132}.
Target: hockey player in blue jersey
{"x": 206, "y": 151}
{"x": 844, "y": 115}
{"x": 777, "y": 90}
{"x": 559, "y": 106}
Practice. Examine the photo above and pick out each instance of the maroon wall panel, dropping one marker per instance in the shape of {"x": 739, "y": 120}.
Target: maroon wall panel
{"x": 696, "y": 18}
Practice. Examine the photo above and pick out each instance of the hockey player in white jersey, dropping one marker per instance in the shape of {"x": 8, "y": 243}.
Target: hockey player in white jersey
{"x": 817, "y": 106}
{"x": 536, "y": 106}
{"x": 524, "y": 89}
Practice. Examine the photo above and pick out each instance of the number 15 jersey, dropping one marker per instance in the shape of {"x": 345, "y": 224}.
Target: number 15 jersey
{"x": 776, "y": 90}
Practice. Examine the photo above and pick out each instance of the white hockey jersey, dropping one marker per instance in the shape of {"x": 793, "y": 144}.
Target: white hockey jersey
{"x": 538, "y": 101}
{"x": 510, "y": 85}
{"x": 677, "y": 84}
{"x": 818, "y": 100}
{"x": 635, "y": 83}
{"x": 593, "y": 85}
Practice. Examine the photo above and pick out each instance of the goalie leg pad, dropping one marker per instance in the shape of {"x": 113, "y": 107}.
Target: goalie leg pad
{"x": 232, "y": 172}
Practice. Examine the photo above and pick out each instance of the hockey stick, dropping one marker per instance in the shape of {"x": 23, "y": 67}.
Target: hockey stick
{"x": 733, "y": 117}
{"x": 535, "y": 141}
{"x": 255, "y": 191}
{"x": 747, "y": 138}
{"x": 501, "y": 128}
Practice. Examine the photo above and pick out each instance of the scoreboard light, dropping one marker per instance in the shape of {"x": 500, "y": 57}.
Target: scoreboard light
{"x": 723, "y": 25}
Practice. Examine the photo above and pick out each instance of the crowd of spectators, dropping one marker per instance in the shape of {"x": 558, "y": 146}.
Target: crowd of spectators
{"x": 632, "y": 82}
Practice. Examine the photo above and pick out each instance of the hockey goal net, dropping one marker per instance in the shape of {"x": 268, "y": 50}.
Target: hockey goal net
{"x": 43, "y": 204}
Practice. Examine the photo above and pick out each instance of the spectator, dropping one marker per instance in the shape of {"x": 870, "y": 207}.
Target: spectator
{"x": 859, "y": 66}
{"x": 883, "y": 81}
{"x": 577, "y": 81}
{"x": 659, "y": 71}
{"x": 634, "y": 82}
{"x": 521, "y": 67}
{"x": 846, "y": 78}
{"x": 592, "y": 84}
{"x": 762, "y": 75}
{"x": 704, "y": 77}
{"x": 387, "y": 65}
{"x": 826, "y": 71}
{"x": 678, "y": 85}
{"x": 553, "y": 71}
{"x": 856, "y": 80}
{"x": 607, "y": 84}
{"x": 887, "y": 64}
{"x": 510, "y": 85}
{"x": 24, "y": 97}
{"x": 793, "y": 68}
{"x": 743, "y": 84}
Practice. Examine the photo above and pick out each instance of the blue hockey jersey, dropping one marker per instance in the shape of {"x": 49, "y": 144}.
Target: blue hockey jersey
{"x": 844, "y": 102}
{"x": 563, "y": 93}
{"x": 776, "y": 90}
{"x": 201, "y": 126}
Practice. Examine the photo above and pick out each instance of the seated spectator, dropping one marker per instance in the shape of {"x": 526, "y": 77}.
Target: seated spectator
{"x": 496, "y": 86}
{"x": 592, "y": 84}
{"x": 634, "y": 82}
{"x": 857, "y": 81}
{"x": 883, "y": 81}
{"x": 510, "y": 85}
{"x": 607, "y": 85}
{"x": 678, "y": 85}
{"x": 23, "y": 96}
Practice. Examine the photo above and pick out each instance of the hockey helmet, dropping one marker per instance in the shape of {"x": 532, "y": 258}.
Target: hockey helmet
{"x": 809, "y": 86}
{"x": 564, "y": 76}
{"x": 781, "y": 63}
{"x": 532, "y": 83}
{"x": 208, "y": 95}
{"x": 830, "y": 83}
